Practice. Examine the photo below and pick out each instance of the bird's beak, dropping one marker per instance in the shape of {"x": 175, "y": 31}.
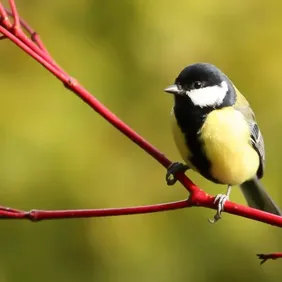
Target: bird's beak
{"x": 173, "y": 89}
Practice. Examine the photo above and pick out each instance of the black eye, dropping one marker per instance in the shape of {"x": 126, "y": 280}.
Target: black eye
{"x": 197, "y": 84}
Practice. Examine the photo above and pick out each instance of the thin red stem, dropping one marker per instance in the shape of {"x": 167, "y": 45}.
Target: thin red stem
{"x": 204, "y": 200}
{"x": 266, "y": 257}
{"x": 38, "y": 47}
{"x": 36, "y": 38}
{"x": 4, "y": 17}
{"x": 34, "y": 52}
{"x": 23, "y": 24}
{"x": 36, "y": 215}
{"x": 33, "y": 35}
{"x": 15, "y": 14}
{"x": 7, "y": 209}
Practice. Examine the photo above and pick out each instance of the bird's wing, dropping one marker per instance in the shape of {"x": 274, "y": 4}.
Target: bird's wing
{"x": 256, "y": 138}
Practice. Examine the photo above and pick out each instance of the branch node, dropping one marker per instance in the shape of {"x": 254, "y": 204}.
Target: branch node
{"x": 5, "y": 22}
{"x": 199, "y": 197}
{"x": 33, "y": 36}
{"x": 16, "y": 30}
{"x": 32, "y": 215}
{"x": 71, "y": 82}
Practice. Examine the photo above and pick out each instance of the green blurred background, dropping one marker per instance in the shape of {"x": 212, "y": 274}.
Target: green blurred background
{"x": 56, "y": 153}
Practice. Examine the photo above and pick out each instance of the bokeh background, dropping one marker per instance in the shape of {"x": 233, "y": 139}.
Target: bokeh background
{"x": 56, "y": 153}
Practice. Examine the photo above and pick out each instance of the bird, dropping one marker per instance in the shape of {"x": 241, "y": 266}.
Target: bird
{"x": 217, "y": 135}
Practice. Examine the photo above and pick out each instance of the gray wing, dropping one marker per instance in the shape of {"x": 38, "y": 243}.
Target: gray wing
{"x": 258, "y": 144}
{"x": 256, "y": 138}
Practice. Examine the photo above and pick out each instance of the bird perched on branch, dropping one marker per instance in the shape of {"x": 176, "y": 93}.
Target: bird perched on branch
{"x": 216, "y": 133}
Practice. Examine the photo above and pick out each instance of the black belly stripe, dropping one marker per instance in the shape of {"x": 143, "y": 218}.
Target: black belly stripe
{"x": 190, "y": 120}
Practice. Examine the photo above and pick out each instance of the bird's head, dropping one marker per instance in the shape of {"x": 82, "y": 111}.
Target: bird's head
{"x": 203, "y": 85}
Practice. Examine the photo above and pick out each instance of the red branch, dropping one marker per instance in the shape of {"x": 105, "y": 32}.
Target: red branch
{"x": 21, "y": 34}
{"x": 37, "y": 215}
{"x": 266, "y": 257}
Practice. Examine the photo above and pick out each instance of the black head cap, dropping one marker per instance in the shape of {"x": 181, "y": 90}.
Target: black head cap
{"x": 199, "y": 76}
{"x": 208, "y": 74}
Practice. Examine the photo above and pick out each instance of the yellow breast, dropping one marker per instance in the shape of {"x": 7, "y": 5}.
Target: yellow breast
{"x": 226, "y": 139}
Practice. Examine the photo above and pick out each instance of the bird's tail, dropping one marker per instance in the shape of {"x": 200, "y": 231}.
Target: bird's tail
{"x": 257, "y": 197}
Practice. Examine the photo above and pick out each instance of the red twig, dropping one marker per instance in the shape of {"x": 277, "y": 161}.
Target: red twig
{"x": 34, "y": 47}
{"x": 33, "y": 35}
{"x": 4, "y": 17}
{"x": 15, "y": 15}
{"x": 37, "y": 215}
{"x": 266, "y": 257}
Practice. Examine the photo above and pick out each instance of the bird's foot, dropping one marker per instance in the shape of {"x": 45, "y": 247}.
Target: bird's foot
{"x": 172, "y": 170}
{"x": 221, "y": 200}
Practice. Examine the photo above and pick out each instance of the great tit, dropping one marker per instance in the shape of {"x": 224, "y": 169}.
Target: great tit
{"x": 215, "y": 131}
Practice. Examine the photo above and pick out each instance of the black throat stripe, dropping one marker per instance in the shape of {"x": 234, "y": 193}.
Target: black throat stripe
{"x": 190, "y": 120}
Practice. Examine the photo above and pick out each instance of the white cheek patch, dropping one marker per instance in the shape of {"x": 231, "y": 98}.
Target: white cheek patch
{"x": 208, "y": 96}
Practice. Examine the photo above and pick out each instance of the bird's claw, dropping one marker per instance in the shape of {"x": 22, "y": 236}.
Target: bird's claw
{"x": 221, "y": 199}
{"x": 172, "y": 170}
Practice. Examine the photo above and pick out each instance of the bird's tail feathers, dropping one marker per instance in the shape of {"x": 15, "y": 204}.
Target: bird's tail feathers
{"x": 257, "y": 197}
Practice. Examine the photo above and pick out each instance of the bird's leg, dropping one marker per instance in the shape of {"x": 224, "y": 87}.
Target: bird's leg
{"x": 172, "y": 170}
{"x": 221, "y": 199}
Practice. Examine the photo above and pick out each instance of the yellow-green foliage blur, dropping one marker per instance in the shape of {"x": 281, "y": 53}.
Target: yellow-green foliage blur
{"x": 56, "y": 153}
